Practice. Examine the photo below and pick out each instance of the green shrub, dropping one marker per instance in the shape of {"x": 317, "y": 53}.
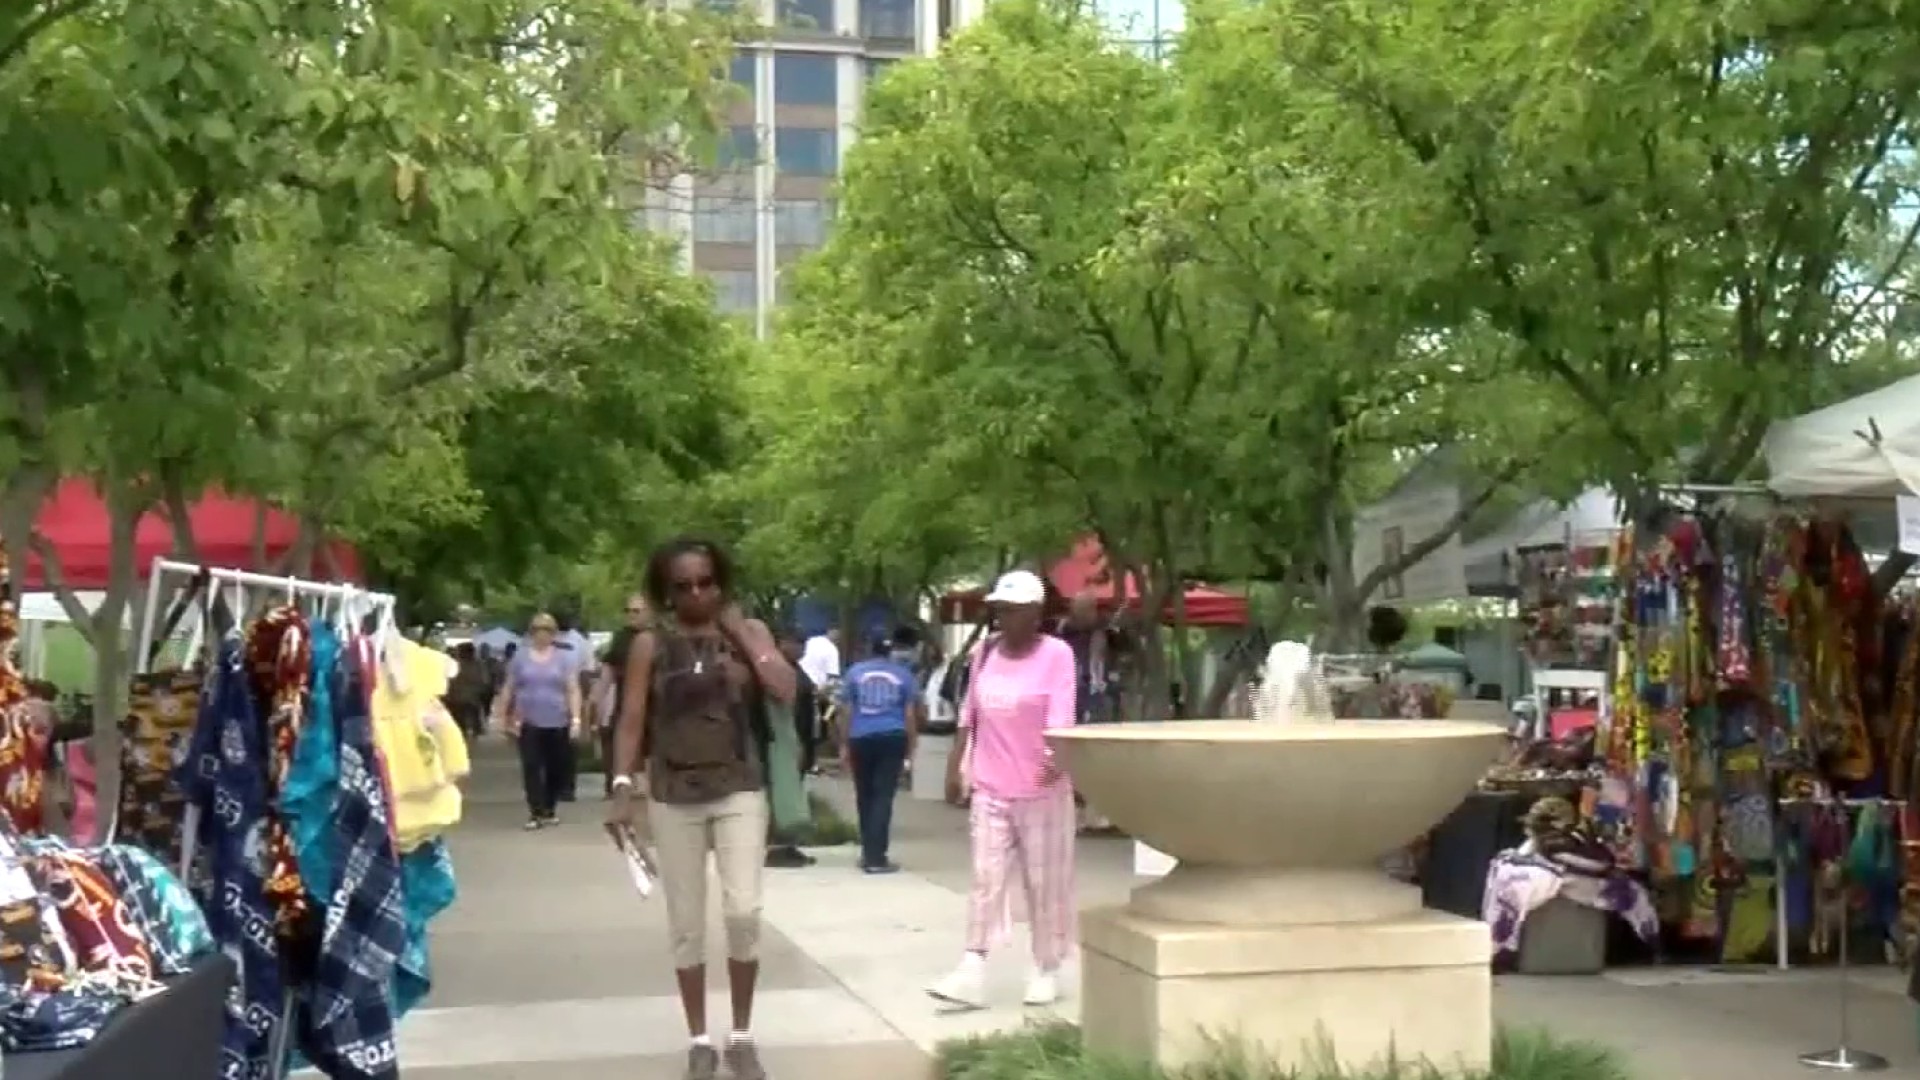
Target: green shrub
{"x": 1055, "y": 1052}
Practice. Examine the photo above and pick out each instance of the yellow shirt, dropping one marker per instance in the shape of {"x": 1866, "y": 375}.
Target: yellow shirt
{"x": 424, "y": 750}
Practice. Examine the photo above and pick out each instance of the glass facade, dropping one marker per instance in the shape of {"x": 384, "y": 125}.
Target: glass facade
{"x": 801, "y": 222}
{"x": 888, "y": 20}
{"x": 735, "y": 291}
{"x": 1152, "y": 26}
{"x": 739, "y": 147}
{"x": 807, "y": 151}
{"x": 806, "y": 79}
{"x": 813, "y": 15}
{"x": 723, "y": 219}
{"x": 742, "y": 70}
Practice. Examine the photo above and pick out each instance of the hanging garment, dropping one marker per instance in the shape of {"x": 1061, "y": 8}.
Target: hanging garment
{"x": 429, "y": 888}
{"x": 279, "y": 658}
{"x": 346, "y": 1026}
{"x": 159, "y": 905}
{"x": 26, "y": 748}
{"x": 423, "y": 748}
{"x": 225, "y": 778}
{"x": 313, "y": 778}
{"x": 155, "y": 738}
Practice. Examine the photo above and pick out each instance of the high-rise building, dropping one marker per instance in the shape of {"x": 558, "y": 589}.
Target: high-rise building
{"x": 769, "y": 200}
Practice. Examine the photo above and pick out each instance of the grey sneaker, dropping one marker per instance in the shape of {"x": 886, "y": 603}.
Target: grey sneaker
{"x": 743, "y": 1062}
{"x": 703, "y": 1063}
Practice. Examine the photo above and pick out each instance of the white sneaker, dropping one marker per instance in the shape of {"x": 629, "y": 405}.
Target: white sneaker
{"x": 966, "y": 988}
{"x": 1043, "y": 989}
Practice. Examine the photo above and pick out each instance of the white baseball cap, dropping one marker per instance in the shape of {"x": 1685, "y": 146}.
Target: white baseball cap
{"x": 1018, "y": 587}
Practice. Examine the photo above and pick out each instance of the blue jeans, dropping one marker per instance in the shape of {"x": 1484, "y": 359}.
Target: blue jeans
{"x": 877, "y": 761}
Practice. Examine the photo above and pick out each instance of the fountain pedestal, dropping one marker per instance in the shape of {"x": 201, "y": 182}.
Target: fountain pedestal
{"x": 1276, "y": 931}
{"x": 1415, "y": 984}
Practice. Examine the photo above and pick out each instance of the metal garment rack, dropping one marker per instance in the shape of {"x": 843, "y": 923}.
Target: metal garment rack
{"x": 1841, "y": 1058}
{"x": 349, "y": 601}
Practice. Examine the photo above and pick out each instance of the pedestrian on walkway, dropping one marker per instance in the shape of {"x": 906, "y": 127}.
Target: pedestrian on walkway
{"x": 884, "y": 717}
{"x": 1021, "y": 807}
{"x": 696, "y": 683}
{"x": 607, "y": 688}
{"x": 539, "y": 707}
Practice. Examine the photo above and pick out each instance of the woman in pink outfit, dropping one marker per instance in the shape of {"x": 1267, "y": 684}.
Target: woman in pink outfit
{"x": 1022, "y": 815}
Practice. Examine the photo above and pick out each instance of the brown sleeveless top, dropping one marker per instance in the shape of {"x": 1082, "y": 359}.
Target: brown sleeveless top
{"x": 700, "y": 720}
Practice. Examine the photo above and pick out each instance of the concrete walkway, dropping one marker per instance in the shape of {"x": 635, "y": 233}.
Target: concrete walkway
{"x": 549, "y": 959}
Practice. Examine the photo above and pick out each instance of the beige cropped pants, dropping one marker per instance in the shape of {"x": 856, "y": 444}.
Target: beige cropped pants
{"x": 734, "y": 829}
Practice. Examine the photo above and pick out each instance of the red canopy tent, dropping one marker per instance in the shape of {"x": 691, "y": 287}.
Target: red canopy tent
{"x": 75, "y": 521}
{"x": 1085, "y": 570}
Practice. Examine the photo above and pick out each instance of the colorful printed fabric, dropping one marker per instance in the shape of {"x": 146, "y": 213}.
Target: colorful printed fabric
{"x": 160, "y": 905}
{"x": 429, "y": 887}
{"x": 25, "y": 750}
{"x": 278, "y": 657}
{"x": 34, "y": 950}
{"x": 347, "y": 1019}
{"x": 154, "y": 745}
{"x": 313, "y": 779}
{"x": 106, "y": 937}
{"x": 224, "y": 780}
{"x": 63, "y": 1019}
{"x": 1518, "y": 884}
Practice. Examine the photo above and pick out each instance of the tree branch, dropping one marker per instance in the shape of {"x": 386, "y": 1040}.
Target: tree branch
{"x": 1378, "y": 576}
{"x": 16, "y": 46}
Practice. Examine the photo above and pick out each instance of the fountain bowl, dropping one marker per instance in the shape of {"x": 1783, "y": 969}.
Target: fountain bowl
{"x": 1277, "y": 822}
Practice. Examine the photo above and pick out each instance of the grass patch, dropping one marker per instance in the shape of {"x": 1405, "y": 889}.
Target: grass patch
{"x": 1055, "y": 1052}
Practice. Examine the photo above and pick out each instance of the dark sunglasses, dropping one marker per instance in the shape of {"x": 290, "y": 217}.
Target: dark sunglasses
{"x": 688, "y": 586}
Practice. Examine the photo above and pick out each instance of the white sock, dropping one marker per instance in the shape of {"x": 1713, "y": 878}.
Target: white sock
{"x": 972, "y": 962}
{"x": 741, "y": 1038}
{"x": 702, "y": 1040}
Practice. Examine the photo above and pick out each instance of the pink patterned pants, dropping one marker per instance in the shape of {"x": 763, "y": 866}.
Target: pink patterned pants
{"x": 1033, "y": 839}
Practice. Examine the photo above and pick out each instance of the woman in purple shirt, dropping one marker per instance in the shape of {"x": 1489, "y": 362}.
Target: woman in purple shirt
{"x": 540, "y": 706}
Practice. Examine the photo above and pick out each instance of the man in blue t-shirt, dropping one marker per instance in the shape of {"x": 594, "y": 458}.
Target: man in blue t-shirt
{"x": 884, "y": 716}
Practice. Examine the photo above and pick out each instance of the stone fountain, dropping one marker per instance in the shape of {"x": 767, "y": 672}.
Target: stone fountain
{"x": 1277, "y": 928}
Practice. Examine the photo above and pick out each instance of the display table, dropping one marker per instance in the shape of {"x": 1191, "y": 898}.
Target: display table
{"x": 170, "y": 1036}
{"x": 1463, "y": 846}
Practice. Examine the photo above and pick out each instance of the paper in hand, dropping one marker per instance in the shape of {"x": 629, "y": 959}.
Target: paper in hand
{"x": 639, "y": 867}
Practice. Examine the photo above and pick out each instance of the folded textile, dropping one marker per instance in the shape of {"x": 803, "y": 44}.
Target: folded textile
{"x": 65, "y": 1019}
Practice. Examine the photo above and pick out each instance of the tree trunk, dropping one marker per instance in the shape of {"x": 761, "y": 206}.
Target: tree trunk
{"x": 112, "y": 669}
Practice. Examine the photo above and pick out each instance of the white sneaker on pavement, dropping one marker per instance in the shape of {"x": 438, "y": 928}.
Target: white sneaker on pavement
{"x": 1043, "y": 988}
{"x": 965, "y": 988}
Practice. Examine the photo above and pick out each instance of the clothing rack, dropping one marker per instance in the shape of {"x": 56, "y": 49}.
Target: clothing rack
{"x": 1780, "y": 865}
{"x": 349, "y": 601}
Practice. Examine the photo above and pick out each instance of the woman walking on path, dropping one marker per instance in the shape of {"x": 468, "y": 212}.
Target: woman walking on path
{"x": 692, "y": 711}
{"x": 884, "y": 717}
{"x": 539, "y": 706}
{"x": 1021, "y": 807}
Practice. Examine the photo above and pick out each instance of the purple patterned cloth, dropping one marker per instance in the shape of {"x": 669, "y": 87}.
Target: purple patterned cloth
{"x": 1520, "y": 883}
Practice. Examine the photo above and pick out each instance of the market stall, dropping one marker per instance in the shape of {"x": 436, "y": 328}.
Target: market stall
{"x": 317, "y": 733}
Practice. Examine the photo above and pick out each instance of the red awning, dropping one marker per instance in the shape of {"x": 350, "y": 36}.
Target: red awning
{"x": 1085, "y": 570}
{"x": 74, "y": 520}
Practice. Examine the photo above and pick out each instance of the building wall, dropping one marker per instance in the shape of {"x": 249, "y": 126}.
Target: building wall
{"x": 769, "y": 199}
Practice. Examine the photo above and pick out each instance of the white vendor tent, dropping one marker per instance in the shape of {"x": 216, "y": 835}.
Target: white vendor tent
{"x": 1867, "y": 447}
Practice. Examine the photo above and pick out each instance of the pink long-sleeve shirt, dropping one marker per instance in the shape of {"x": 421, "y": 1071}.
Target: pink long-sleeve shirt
{"x": 1011, "y": 704}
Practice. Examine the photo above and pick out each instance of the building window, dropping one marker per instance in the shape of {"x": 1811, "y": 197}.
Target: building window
{"x": 807, "y": 151}
{"x": 740, "y": 148}
{"x": 801, "y": 222}
{"x": 877, "y": 68}
{"x": 806, "y": 79}
{"x": 815, "y": 15}
{"x": 735, "y": 291}
{"x": 723, "y": 219}
{"x": 889, "y": 20}
{"x": 742, "y": 70}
